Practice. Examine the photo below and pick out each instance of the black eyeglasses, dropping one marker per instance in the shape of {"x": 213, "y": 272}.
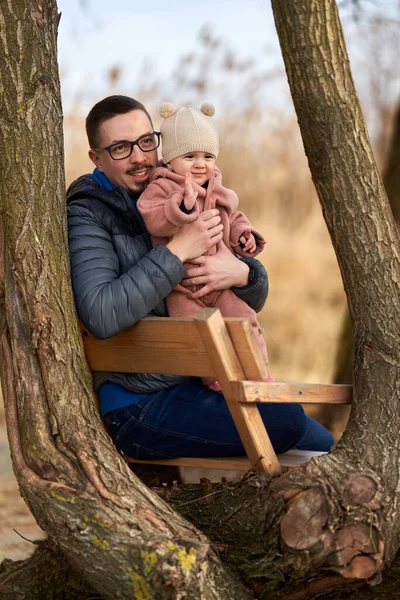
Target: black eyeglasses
{"x": 123, "y": 149}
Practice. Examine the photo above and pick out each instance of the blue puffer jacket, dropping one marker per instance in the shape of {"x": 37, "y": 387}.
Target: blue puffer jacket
{"x": 118, "y": 277}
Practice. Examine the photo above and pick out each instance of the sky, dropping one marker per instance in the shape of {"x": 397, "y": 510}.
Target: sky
{"x": 145, "y": 40}
{"x": 140, "y": 36}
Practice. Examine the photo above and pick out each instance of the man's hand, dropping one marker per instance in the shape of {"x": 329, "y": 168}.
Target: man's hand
{"x": 190, "y": 195}
{"x": 218, "y": 272}
{"x": 194, "y": 239}
{"x": 248, "y": 241}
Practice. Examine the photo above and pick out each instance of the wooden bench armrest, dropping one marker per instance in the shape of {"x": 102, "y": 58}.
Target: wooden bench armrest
{"x": 305, "y": 393}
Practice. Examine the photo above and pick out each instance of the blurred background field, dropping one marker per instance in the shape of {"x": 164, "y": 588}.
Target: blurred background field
{"x": 261, "y": 157}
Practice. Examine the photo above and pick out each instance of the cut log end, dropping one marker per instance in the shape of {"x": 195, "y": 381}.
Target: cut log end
{"x": 361, "y": 567}
{"x": 359, "y": 490}
{"x": 354, "y": 550}
{"x": 305, "y": 519}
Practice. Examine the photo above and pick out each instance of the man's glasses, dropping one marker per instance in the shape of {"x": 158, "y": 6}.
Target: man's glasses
{"x": 123, "y": 149}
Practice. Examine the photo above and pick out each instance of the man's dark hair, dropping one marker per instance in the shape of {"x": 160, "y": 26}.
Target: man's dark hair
{"x": 107, "y": 109}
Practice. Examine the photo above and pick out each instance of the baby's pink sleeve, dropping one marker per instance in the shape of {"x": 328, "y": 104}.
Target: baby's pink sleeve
{"x": 160, "y": 207}
{"x": 239, "y": 224}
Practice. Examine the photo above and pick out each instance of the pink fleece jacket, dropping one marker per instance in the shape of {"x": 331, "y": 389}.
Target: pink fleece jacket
{"x": 160, "y": 206}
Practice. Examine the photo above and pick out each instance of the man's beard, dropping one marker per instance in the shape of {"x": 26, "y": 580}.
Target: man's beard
{"x": 139, "y": 187}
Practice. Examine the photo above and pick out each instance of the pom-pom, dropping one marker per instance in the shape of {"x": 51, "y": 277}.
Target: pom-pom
{"x": 167, "y": 110}
{"x": 208, "y": 109}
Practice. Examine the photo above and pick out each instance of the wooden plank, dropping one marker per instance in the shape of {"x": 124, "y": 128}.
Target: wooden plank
{"x": 306, "y": 393}
{"x": 240, "y": 463}
{"x": 247, "y": 349}
{"x": 296, "y": 458}
{"x": 173, "y": 344}
{"x": 227, "y": 367}
{"x": 291, "y": 459}
{"x": 154, "y": 345}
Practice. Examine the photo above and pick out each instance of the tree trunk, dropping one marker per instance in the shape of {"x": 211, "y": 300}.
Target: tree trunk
{"x": 391, "y": 181}
{"x": 332, "y": 522}
{"x": 43, "y": 576}
{"x": 366, "y": 242}
{"x": 255, "y": 549}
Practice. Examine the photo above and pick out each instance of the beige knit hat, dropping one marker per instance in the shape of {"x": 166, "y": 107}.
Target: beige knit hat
{"x": 188, "y": 129}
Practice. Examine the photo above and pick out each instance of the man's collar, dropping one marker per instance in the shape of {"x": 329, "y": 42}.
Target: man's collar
{"x": 102, "y": 180}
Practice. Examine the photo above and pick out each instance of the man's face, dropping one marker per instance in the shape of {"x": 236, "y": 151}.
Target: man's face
{"x": 132, "y": 173}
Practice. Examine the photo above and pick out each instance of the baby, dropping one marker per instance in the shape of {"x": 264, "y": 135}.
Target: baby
{"x": 187, "y": 184}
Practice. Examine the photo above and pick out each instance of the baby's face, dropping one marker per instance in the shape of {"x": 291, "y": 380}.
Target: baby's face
{"x": 199, "y": 164}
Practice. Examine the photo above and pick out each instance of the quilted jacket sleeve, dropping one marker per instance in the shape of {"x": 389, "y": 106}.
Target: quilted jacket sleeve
{"x": 256, "y": 292}
{"x": 107, "y": 301}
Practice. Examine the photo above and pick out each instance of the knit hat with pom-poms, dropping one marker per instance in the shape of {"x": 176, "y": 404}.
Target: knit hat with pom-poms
{"x": 188, "y": 129}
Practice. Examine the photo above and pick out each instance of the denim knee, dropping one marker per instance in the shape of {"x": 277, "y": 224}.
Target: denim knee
{"x": 285, "y": 423}
{"x": 316, "y": 437}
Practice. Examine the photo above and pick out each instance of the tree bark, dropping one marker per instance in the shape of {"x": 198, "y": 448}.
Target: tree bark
{"x": 391, "y": 181}
{"x": 43, "y": 576}
{"x": 331, "y": 523}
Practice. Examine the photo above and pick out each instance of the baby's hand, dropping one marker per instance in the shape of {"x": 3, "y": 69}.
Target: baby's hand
{"x": 190, "y": 195}
{"x": 248, "y": 241}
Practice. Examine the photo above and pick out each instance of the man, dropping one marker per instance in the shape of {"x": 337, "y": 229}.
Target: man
{"x": 118, "y": 278}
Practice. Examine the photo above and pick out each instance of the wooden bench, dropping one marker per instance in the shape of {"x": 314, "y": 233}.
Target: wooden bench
{"x": 204, "y": 346}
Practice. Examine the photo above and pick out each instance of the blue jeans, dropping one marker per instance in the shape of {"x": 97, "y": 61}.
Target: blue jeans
{"x": 191, "y": 420}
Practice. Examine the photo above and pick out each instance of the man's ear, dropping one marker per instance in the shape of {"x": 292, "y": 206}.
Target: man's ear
{"x": 94, "y": 158}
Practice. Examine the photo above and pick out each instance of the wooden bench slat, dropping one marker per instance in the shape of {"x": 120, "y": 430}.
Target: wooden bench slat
{"x": 154, "y": 345}
{"x": 305, "y": 393}
{"x": 176, "y": 348}
{"x": 290, "y": 459}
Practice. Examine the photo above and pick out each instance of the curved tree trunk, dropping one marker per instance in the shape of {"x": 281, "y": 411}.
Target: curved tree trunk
{"x": 366, "y": 241}
{"x": 329, "y": 523}
{"x": 391, "y": 181}
{"x": 43, "y": 576}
